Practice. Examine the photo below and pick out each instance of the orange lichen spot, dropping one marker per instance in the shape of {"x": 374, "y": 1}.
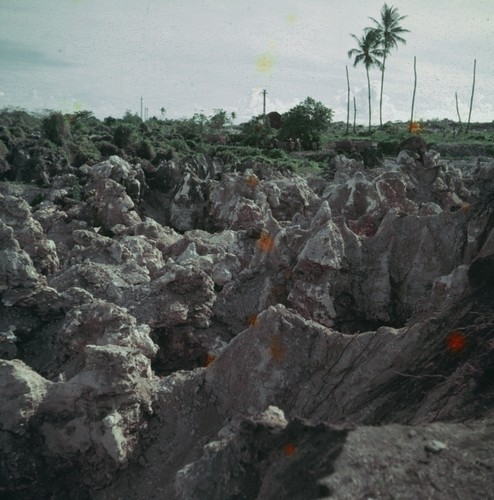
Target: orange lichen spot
{"x": 252, "y": 181}
{"x": 456, "y": 342}
{"x": 265, "y": 243}
{"x": 252, "y": 320}
{"x": 276, "y": 348}
{"x": 465, "y": 207}
{"x": 209, "y": 359}
{"x": 414, "y": 127}
{"x": 289, "y": 449}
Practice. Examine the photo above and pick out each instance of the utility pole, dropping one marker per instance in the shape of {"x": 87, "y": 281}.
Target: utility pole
{"x": 264, "y": 103}
{"x": 141, "y": 108}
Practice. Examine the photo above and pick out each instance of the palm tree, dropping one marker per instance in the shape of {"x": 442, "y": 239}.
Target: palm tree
{"x": 367, "y": 52}
{"x": 389, "y": 30}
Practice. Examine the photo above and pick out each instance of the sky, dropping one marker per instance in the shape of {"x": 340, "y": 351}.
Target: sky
{"x": 197, "y": 56}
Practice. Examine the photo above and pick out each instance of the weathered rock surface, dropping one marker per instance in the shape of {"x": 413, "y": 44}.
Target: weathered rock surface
{"x": 194, "y": 332}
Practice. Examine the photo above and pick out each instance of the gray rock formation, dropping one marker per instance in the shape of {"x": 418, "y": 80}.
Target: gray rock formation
{"x": 192, "y": 331}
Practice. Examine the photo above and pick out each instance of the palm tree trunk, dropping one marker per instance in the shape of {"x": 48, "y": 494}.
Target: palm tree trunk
{"x": 368, "y": 86}
{"x": 381, "y": 97}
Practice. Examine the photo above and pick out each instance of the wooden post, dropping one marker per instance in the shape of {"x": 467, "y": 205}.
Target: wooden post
{"x": 414, "y": 87}
{"x": 457, "y": 109}
{"x": 471, "y": 98}
{"x": 347, "y": 101}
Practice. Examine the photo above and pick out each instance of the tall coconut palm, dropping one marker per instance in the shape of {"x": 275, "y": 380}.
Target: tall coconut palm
{"x": 367, "y": 52}
{"x": 390, "y": 33}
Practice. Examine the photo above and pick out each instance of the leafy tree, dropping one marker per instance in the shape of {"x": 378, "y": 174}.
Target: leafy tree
{"x": 390, "y": 32}
{"x": 131, "y": 118}
{"x": 307, "y": 121}
{"x": 256, "y": 132}
{"x": 367, "y": 52}
{"x": 83, "y": 121}
{"x": 219, "y": 120}
{"x": 190, "y": 128}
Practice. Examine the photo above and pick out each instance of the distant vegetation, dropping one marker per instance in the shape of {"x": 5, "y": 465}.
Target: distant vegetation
{"x": 303, "y": 139}
{"x": 78, "y": 138}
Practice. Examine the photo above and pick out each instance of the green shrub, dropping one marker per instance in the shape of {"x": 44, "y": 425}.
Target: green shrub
{"x": 107, "y": 149}
{"x": 489, "y": 149}
{"x": 40, "y": 197}
{"x": 389, "y": 148}
{"x": 228, "y": 157}
{"x": 17, "y": 134}
{"x": 163, "y": 155}
{"x": 179, "y": 145}
{"x": 191, "y": 144}
{"x": 145, "y": 150}
{"x": 85, "y": 151}
{"x": 56, "y": 128}
{"x": 3, "y": 150}
{"x": 277, "y": 154}
{"x": 76, "y": 190}
{"x": 124, "y": 136}
{"x": 6, "y": 136}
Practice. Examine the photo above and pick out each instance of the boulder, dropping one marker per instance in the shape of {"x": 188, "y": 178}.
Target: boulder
{"x": 415, "y": 145}
{"x": 22, "y": 390}
{"x": 101, "y": 323}
{"x": 113, "y": 207}
{"x": 16, "y": 213}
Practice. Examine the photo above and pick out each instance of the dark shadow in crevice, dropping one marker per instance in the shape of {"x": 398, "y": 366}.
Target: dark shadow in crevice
{"x": 356, "y": 325}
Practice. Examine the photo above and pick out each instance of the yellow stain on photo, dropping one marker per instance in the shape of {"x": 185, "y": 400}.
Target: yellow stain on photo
{"x": 292, "y": 19}
{"x": 265, "y": 63}
{"x": 69, "y": 106}
{"x": 272, "y": 44}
